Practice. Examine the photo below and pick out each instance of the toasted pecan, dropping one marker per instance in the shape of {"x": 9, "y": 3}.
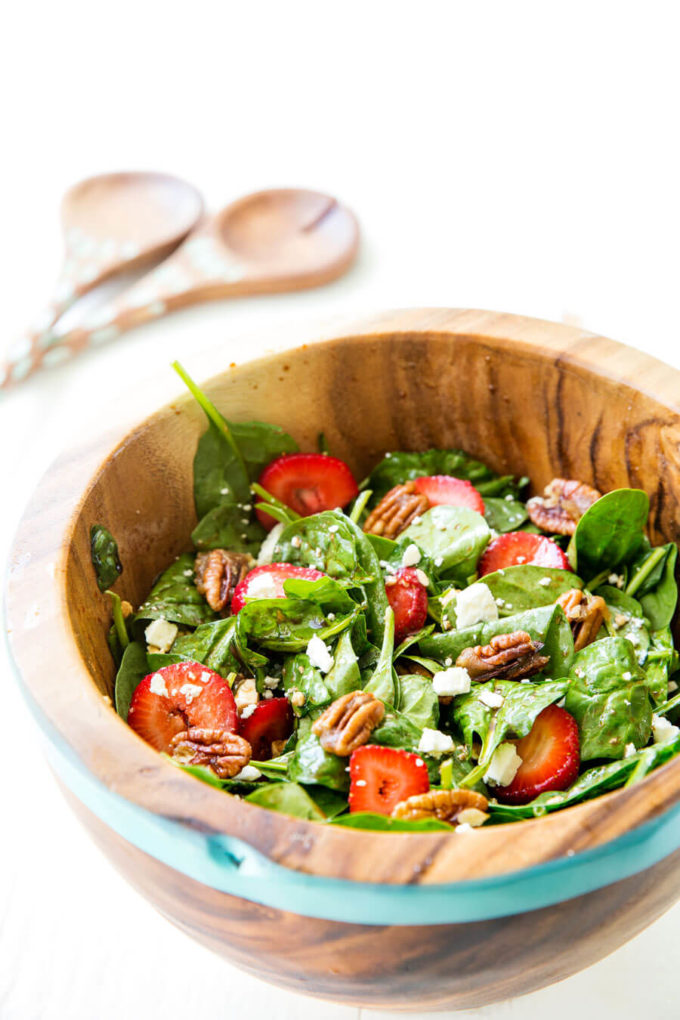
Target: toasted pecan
{"x": 445, "y": 805}
{"x": 348, "y": 722}
{"x": 562, "y": 505}
{"x": 506, "y": 657}
{"x": 585, "y": 613}
{"x": 216, "y": 574}
{"x": 396, "y": 510}
{"x": 223, "y": 752}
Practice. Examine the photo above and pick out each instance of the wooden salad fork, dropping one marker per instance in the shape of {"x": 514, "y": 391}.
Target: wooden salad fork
{"x": 271, "y": 241}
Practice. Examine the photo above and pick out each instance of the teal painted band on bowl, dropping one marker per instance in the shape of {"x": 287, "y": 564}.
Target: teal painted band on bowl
{"x": 232, "y": 866}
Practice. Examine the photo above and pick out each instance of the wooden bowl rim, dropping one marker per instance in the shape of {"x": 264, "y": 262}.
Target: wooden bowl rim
{"x": 129, "y": 767}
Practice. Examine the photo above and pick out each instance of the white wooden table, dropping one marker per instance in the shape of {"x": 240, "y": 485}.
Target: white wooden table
{"x": 510, "y": 156}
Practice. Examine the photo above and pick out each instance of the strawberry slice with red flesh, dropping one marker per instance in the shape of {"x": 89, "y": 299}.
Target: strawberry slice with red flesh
{"x": 178, "y": 697}
{"x": 408, "y": 598}
{"x": 308, "y": 483}
{"x": 271, "y": 720}
{"x": 449, "y": 491}
{"x": 517, "y": 547}
{"x": 550, "y": 756}
{"x": 266, "y": 582}
{"x": 381, "y": 777}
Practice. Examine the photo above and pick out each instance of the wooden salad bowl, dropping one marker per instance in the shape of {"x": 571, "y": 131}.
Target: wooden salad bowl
{"x": 400, "y": 920}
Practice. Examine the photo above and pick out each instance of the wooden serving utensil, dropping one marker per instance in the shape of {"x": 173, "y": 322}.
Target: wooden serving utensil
{"x": 112, "y": 223}
{"x": 270, "y": 241}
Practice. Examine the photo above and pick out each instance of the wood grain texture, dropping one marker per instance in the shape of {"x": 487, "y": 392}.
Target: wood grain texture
{"x": 527, "y": 396}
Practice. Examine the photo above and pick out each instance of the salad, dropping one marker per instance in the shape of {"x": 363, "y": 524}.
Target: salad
{"x": 425, "y": 649}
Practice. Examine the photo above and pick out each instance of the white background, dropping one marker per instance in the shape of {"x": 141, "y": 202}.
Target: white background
{"x": 515, "y": 156}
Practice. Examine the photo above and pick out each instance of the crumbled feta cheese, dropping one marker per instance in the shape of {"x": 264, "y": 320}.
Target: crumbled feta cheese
{"x": 448, "y": 596}
{"x": 417, "y": 519}
{"x": 627, "y": 675}
{"x": 503, "y": 765}
{"x": 491, "y": 699}
{"x": 672, "y": 686}
{"x": 438, "y": 560}
{"x": 204, "y": 677}
{"x": 296, "y": 541}
{"x": 262, "y": 587}
{"x": 545, "y": 582}
{"x": 449, "y": 682}
{"x": 319, "y": 655}
{"x": 423, "y": 578}
{"x": 629, "y": 750}
{"x": 464, "y": 827}
{"x": 246, "y": 695}
{"x": 620, "y": 620}
{"x": 267, "y": 547}
{"x": 297, "y": 698}
{"x": 434, "y": 742}
{"x": 188, "y": 573}
{"x": 190, "y": 691}
{"x": 271, "y": 682}
{"x": 161, "y": 634}
{"x": 500, "y": 602}
{"x": 248, "y": 711}
{"x": 248, "y": 773}
{"x": 471, "y": 816}
{"x": 157, "y": 686}
{"x": 411, "y": 555}
{"x": 475, "y": 604}
{"x": 663, "y": 731}
{"x": 333, "y": 528}
{"x": 448, "y": 661}
{"x": 616, "y": 579}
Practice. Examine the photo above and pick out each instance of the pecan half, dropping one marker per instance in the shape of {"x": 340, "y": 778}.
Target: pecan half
{"x": 506, "y": 657}
{"x": 348, "y": 722}
{"x": 216, "y": 574}
{"x": 562, "y": 505}
{"x": 445, "y": 805}
{"x": 223, "y": 752}
{"x": 396, "y": 511}
{"x": 585, "y": 613}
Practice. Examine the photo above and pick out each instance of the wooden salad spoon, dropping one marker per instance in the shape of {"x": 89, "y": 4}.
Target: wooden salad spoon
{"x": 112, "y": 223}
{"x": 270, "y": 241}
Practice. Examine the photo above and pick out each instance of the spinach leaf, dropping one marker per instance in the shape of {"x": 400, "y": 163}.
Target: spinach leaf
{"x": 288, "y": 798}
{"x": 310, "y": 764}
{"x": 300, "y": 675}
{"x": 287, "y": 625}
{"x": 627, "y": 619}
{"x": 522, "y": 587}
{"x": 382, "y": 823}
{"x": 174, "y": 597}
{"x": 505, "y": 514}
{"x": 658, "y": 591}
{"x": 118, "y": 637}
{"x": 397, "y": 730}
{"x": 241, "y": 787}
{"x": 453, "y": 771}
{"x": 453, "y": 537}
{"x": 228, "y": 526}
{"x": 401, "y": 466}
{"x": 325, "y": 541}
{"x": 661, "y": 661}
{"x": 610, "y": 532}
{"x": 591, "y": 783}
{"x": 105, "y": 559}
{"x": 344, "y": 675}
{"x": 418, "y": 700}
{"x": 609, "y": 699}
{"x": 373, "y": 584}
{"x": 324, "y": 591}
{"x": 212, "y": 644}
{"x": 330, "y": 802}
{"x": 132, "y": 669}
{"x": 383, "y": 682}
{"x": 547, "y": 624}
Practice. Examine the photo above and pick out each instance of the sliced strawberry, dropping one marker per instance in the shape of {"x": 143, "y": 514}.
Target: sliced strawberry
{"x": 308, "y": 483}
{"x": 550, "y": 757}
{"x": 449, "y": 491}
{"x": 517, "y": 547}
{"x": 266, "y": 582}
{"x": 272, "y": 720}
{"x": 381, "y": 777}
{"x": 178, "y": 697}
{"x": 408, "y": 599}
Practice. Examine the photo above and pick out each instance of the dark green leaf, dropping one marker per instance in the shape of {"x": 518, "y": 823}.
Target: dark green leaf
{"x": 659, "y": 601}
{"x": 213, "y": 645}
{"x": 287, "y": 625}
{"x": 132, "y": 669}
{"x": 453, "y": 537}
{"x": 105, "y": 559}
{"x": 381, "y": 823}
{"x": 505, "y": 514}
{"x": 610, "y": 532}
{"x": 288, "y": 798}
{"x": 523, "y": 587}
{"x": 228, "y": 526}
{"x": 174, "y": 597}
{"x": 418, "y": 700}
{"x": 383, "y": 681}
{"x": 310, "y": 764}
{"x": 401, "y": 466}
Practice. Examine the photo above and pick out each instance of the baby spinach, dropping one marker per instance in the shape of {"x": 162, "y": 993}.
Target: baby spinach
{"x": 652, "y": 581}
{"x": 228, "y": 526}
{"x": 626, "y": 619}
{"x": 174, "y": 597}
{"x": 609, "y": 698}
{"x": 397, "y": 730}
{"x": 324, "y": 591}
{"x": 287, "y": 798}
{"x": 382, "y": 823}
{"x": 610, "y": 532}
{"x": 661, "y": 661}
{"x": 453, "y": 537}
{"x": 300, "y": 675}
{"x": 383, "y": 681}
{"x": 212, "y": 644}
{"x": 132, "y": 669}
{"x": 310, "y": 764}
{"x": 547, "y": 624}
{"x": 344, "y": 675}
{"x": 418, "y": 700}
{"x": 287, "y": 625}
{"x": 105, "y": 558}
{"x": 526, "y": 586}
{"x": 505, "y": 514}
{"x": 402, "y": 466}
